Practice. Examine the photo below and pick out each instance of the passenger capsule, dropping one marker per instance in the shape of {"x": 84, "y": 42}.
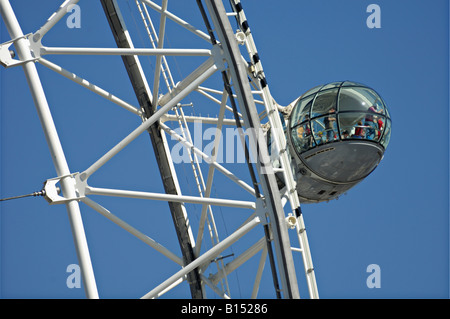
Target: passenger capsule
{"x": 337, "y": 134}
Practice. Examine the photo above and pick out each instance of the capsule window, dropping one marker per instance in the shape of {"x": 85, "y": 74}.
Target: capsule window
{"x": 324, "y": 103}
{"x": 386, "y": 134}
{"x": 360, "y": 99}
{"x": 339, "y": 111}
{"x": 302, "y": 110}
{"x": 312, "y": 91}
{"x": 302, "y": 137}
{"x": 325, "y": 129}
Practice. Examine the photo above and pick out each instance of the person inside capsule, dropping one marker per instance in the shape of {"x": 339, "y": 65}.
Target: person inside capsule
{"x": 339, "y": 111}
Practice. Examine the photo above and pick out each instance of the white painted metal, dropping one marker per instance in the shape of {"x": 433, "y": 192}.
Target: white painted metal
{"x": 211, "y": 171}
{"x": 74, "y": 186}
{"x": 239, "y": 261}
{"x": 159, "y": 142}
{"x": 54, "y": 18}
{"x": 147, "y": 123}
{"x": 170, "y": 198}
{"x": 204, "y": 190}
{"x": 267, "y": 181}
{"x": 54, "y": 144}
{"x": 178, "y": 20}
{"x": 209, "y": 160}
{"x": 206, "y": 257}
{"x": 86, "y": 84}
{"x": 259, "y": 272}
{"x": 118, "y": 51}
{"x": 280, "y": 147}
{"x": 146, "y": 239}
{"x": 160, "y": 40}
{"x": 199, "y": 119}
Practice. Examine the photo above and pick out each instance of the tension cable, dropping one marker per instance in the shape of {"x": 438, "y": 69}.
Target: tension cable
{"x": 35, "y": 194}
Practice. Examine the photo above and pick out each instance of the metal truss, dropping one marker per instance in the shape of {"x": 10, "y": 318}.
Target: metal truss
{"x": 240, "y": 90}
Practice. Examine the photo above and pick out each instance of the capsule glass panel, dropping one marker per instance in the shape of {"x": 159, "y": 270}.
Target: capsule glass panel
{"x": 387, "y": 134}
{"x": 325, "y": 102}
{"x": 360, "y": 99}
{"x": 351, "y": 83}
{"x": 351, "y": 125}
{"x": 324, "y": 129}
{"x": 302, "y": 110}
{"x": 339, "y": 111}
{"x": 313, "y": 91}
{"x": 302, "y": 137}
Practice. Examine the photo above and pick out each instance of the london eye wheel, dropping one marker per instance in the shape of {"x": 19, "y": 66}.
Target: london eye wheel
{"x": 193, "y": 156}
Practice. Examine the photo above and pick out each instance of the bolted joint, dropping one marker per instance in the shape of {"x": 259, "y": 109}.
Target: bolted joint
{"x": 261, "y": 210}
{"x": 240, "y": 37}
{"x": 7, "y": 56}
{"x": 291, "y": 221}
{"x": 51, "y": 191}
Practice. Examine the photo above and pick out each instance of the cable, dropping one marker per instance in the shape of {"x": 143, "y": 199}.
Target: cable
{"x": 40, "y": 193}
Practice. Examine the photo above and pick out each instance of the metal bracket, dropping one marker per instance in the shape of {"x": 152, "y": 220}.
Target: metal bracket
{"x": 7, "y": 56}
{"x": 240, "y": 37}
{"x": 51, "y": 191}
{"x": 261, "y": 210}
{"x": 35, "y": 45}
{"x": 219, "y": 58}
{"x": 291, "y": 221}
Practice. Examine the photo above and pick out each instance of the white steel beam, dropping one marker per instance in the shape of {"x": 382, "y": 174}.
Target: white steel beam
{"x": 238, "y": 71}
{"x": 157, "y": 137}
{"x": 86, "y": 84}
{"x": 197, "y": 119}
{"x": 237, "y": 262}
{"x": 146, "y": 239}
{"x": 259, "y": 272}
{"x": 209, "y": 180}
{"x": 151, "y": 32}
{"x": 193, "y": 76}
{"x": 170, "y": 197}
{"x": 54, "y": 144}
{"x": 280, "y": 145}
{"x": 208, "y": 159}
{"x": 220, "y": 293}
{"x": 147, "y": 123}
{"x": 123, "y": 51}
{"x": 209, "y": 96}
{"x": 202, "y": 88}
{"x": 54, "y": 18}
{"x": 205, "y": 258}
{"x": 176, "y": 19}
{"x": 162, "y": 28}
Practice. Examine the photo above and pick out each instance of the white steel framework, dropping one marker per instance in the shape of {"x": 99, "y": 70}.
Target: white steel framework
{"x": 275, "y": 213}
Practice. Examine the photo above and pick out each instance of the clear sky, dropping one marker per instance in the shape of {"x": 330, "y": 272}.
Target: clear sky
{"x": 397, "y": 218}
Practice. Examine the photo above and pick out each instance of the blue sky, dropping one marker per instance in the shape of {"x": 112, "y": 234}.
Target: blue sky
{"x": 397, "y": 218}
